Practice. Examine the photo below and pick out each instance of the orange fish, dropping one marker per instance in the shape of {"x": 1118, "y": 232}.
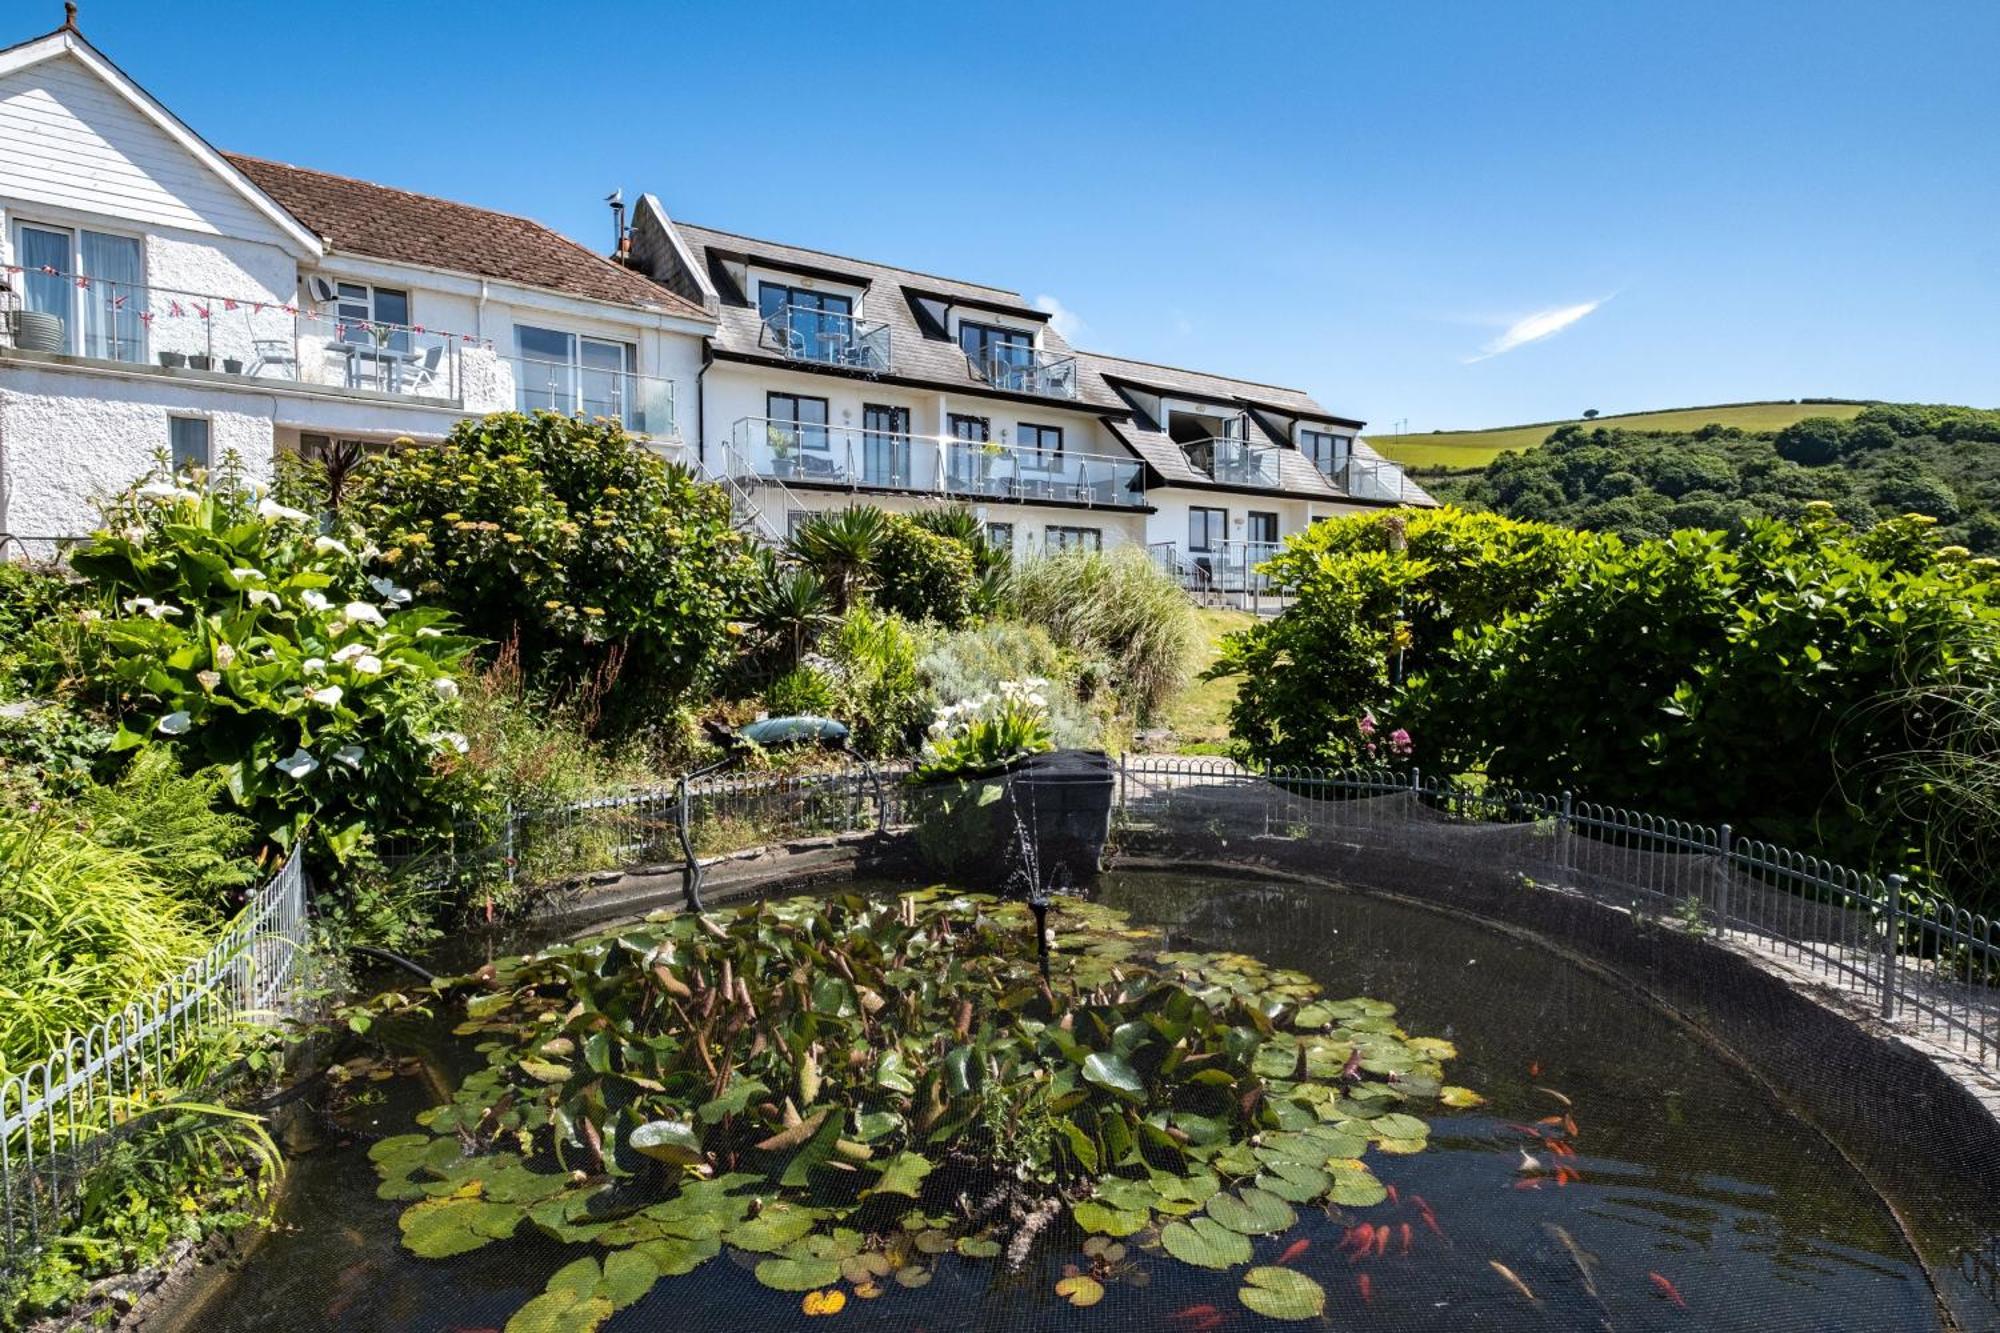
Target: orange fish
{"x": 1381, "y": 1241}
{"x": 1550, "y": 1120}
{"x": 1367, "y": 1289}
{"x": 1561, "y": 1149}
{"x": 1666, "y": 1289}
{"x": 1430, "y": 1218}
{"x": 1569, "y": 1127}
{"x": 1196, "y": 1313}
{"x": 1393, "y": 1199}
{"x": 1534, "y": 1069}
{"x": 1359, "y": 1238}
{"x": 1529, "y": 1130}
{"x": 1528, "y": 1183}
{"x": 1294, "y": 1250}
{"x": 1563, "y": 1176}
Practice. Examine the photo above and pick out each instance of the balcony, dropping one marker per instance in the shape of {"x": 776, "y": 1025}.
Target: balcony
{"x": 1377, "y": 479}
{"x": 1220, "y": 567}
{"x": 1235, "y": 462}
{"x": 643, "y": 404}
{"x": 91, "y": 319}
{"x": 826, "y": 338}
{"x": 804, "y": 454}
{"x": 1018, "y": 368}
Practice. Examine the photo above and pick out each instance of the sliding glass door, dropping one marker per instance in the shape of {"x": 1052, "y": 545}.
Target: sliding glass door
{"x": 91, "y": 282}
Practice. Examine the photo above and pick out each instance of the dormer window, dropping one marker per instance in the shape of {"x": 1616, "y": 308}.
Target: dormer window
{"x": 987, "y": 343}
{"x": 1329, "y": 452}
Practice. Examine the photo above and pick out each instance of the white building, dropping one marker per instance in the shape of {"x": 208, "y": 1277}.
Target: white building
{"x": 165, "y": 297}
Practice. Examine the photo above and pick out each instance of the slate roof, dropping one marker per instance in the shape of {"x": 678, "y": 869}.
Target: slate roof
{"x": 384, "y": 223}
{"x": 917, "y": 353}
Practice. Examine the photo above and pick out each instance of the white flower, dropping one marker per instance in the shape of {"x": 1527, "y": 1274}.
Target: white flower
{"x": 349, "y": 755}
{"x": 224, "y": 655}
{"x": 361, "y": 613}
{"x": 264, "y": 597}
{"x": 134, "y": 534}
{"x": 312, "y": 666}
{"x": 244, "y": 574}
{"x": 297, "y": 764}
{"x": 446, "y": 687}
{"x": 352, "y": 650}
{"x": 314, "y": 600}
{"x": 166, "y": 490}
{"x": 327, "y": 695}
{"x": 450, "y": 740}
{"x": 391, "y": 594}
{"x": 430, "y": 632}
{"x": 271, "y": 512}
{"x": 173, "y": 724}
{"x": 367, "y": 665}
{"x": 324, "y": 544}
{"x": 147, "y": 606}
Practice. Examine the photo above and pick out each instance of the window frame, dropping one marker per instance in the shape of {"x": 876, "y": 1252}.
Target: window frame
{"x": 345, "y": 328}
{"x": 1214, "y": 519}
{"x": 75, "y": 325}
{"x": 1072, "y": 537}
{"x": 1340, "y": 449}
{"x": 1250, "y": 527}
{"x": 801, "y": 438}
{"x": 1024, "y": 338}
{"x": 1044, "y": 458}
{"x": 207, "y": 424}
{"x": 955, "y": 420}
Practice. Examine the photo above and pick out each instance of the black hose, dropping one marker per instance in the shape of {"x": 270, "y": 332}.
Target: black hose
{"x": 370, "y": 951}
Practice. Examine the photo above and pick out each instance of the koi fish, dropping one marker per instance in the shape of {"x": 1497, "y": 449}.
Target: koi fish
{"x": 1512, "y": 1280}
{"x": 1561, "y": 1149}
{"x": 1582, "y": 1258}
{"x": 1430, "y": 1218}
{"x": 1555, "y": 1120}
{"x": 1394, "y": 1200}
{"x": 1666, "y": 1289}
{"x": 1381, "y": 1241}
{"x": 1534, "y": 1069}
{"x": 1528, "y": 1183}
{"x": 1553, "y": 1093}
{"x": 1196, "y": 1313}
{"x": 1530, "y": 1130}
{"x": 1563, "y": 1177}
{"x": 1569, "y": 1127}
{"x": 1293, "y": 1251}
{"x": 1528, "y": 1162}
{"x": 1360, "y": 1239}
{"x": 1407, "y": 1233}
{"x": 1367, "y": 1289}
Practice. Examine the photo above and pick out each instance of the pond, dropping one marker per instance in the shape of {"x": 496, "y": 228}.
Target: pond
{"x": 1619, "y": 1174}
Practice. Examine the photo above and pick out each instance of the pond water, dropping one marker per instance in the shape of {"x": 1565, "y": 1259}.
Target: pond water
{"x": 1696, "y": 1201}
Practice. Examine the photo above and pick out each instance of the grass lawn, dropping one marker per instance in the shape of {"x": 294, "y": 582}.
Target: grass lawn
{"x": 1465, "y": 449}
{"x": 1199, "y": 718}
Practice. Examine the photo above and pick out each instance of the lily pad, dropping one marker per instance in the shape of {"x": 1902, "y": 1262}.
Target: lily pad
{"x": 777, "y": 1226}
{"x": 904, "y": 1173}
{"x": 1205, "y": 1243}
{"x": 444, "y": 1227}
{"x": 1111, "y": 1071}
{"x": 797, "y": 1274}
{"x": 1282, "y": 1293}
{"x": 1252, "y": 1212}
{"x": 676, "y": 1256}
{"x": 1396, "y": 1125}
{"x": 1100, "y": 1217}
{"x": 673, "y": 1141}
{"x": 1080, "y": 1290}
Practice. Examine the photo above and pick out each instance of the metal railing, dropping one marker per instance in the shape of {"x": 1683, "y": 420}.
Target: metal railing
{"x": 802, "y": 453}
{"x": 1915, "y": 960}
{"x": 643, "y": 404}
{"x": 254, "y": 338}
{"x": 1235, "y": 462}
{"x": 1377, "y": 479}
{"x": 827, "y": 338}
{"x": 1223, "y": 566}
{"x": 1019, "y": 368}
{"x": 57, "y": 1114}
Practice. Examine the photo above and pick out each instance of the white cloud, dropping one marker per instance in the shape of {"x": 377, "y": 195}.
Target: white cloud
{"x": 1533, "y": 328}
{"x": 1061, "y": 318}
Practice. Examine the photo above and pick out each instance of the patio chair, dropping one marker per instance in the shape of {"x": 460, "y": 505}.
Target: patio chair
{"x": 273, "y": 354}
{"x": 423, "y": 373}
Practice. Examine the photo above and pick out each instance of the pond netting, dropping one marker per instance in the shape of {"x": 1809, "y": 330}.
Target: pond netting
{"x": 1670, "y": 1103}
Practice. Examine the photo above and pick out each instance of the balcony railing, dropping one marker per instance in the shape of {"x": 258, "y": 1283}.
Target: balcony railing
{"x": 1221, "y": 566}
{"x": 643, "y": 404}
{"x": 1235, "y": 462}
{"x": 73, "y": 315}
{"x": 827, "y": 338}
{"x": 805, "y": 454}
{"x": 1376, "y": 479}
{"x": 1022, "y": 369}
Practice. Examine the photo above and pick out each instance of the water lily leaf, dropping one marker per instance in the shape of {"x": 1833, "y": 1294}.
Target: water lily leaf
{"x": 1402, "y": 1147}
{"x": 1080, "y": 1290}
{"x": 1205, "y": 1243}
{"x": 1282, "y": 1293}
{"x": 1107, "y": 1070}
{"x": 672, "y": 1141}
{"x": 933, "y": 1242}
{"x": 865, "y": 1267}
{"x": 1313, "y": 1016}
{"x": 912, "y": 1275}
{"x": 628, "y": 1275}
{"x": 438, "y": 1229}
{"x": 741, "y": 1093}
{"x": 1092, "y": 1215}
{"x": 1295, "y": 1182}
{"x": 675, "y": 1256}
{"x": 978, "y": 1247}
{"x": 560, "y": 1312}
{"x": 1460, "y": 1097}
{"x": 1437, "y": 1048}
{"x": 797, "y": 1274}
{"x": 1252, "y": 1211}
{"x": 904, "y": 1174}
{"x": 1396, "y": 1125}
{"x": 777, "y": 1226}
{"x": 1356, "y": 1187}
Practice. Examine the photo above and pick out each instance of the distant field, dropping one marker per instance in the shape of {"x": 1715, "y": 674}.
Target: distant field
{"x": 1477, "y": 448}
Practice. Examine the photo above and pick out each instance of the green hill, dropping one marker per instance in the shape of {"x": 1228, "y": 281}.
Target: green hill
{"x": 1461, "y": 450}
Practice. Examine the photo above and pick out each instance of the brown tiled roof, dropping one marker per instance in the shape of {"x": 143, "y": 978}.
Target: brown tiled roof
{"x": 383, "y": 223}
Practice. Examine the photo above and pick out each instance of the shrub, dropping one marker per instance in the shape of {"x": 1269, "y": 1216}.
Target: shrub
{"x": 840, "y": 547}
{"x": 532, "y": 748}
{"x": 171, "y": 821}
{"x": 570, "y": 536}
{"x": 1815, "y": 441}
{"x": 879, "y": 691}
{"x": 976, "y": 662}
{"x": 923, "y": 576}
{"x": 801, "y": 692}
{"x": 789, "y": 607}
{"x": 985, "y": 734}
{"x": 1119, "y": 607}
{"x": 235, "y": 633}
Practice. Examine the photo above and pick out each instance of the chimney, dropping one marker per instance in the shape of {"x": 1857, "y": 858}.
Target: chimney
{"x": 621, "y": 238}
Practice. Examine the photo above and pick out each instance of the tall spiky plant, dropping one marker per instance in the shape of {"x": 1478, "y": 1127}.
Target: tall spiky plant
{"x": 840, "y": 547}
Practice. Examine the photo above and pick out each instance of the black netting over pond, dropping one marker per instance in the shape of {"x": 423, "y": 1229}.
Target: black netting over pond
{"x": 1599, "y": 1162}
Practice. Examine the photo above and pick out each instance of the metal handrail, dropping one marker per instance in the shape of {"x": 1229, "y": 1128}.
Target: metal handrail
{"x": 1019, "y": 368}
{"x": 827, "y": 337}
{"x": 1235, "y": 461}
{"x": 643, "y": 404}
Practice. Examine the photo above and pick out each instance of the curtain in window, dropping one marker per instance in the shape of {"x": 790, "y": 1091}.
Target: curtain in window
{"x": 113, "y": 301}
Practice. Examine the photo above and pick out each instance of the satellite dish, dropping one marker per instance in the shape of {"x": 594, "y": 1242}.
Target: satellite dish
{"x": 321, "y": 288}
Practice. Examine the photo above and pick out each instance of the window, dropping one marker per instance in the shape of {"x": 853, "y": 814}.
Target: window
{"x": 187, "y": 442}
{"x": 1044, "y": 443}
{"x": 885, "y": 445}
{"x": 1263, "y": 529}
{"x": 1329, "y": 452}
{"x": 973, "y": 430}
{"x": 1207, "y": 528}
{"x": 797, "y": 425}
{"x": 1073, "y": 539}
{"x": 996, "y": 350}
{"x": 814, "y": 325}
{"x": 571, "y": 374}
{"x": 359, "y": 307}
{"x": 1000, "y": 536}
{"x": 91, "y": 282}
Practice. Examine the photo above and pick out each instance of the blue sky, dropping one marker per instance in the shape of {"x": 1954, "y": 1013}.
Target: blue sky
{"x": 1705, "y": 202}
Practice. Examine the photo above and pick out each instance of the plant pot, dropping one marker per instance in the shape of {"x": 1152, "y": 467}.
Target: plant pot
{"x": 784, "y": 467}
{"x": 37, "y": 331}
{"x": 200, "y": 361}
{"x": 232, "y": 365}
{"x": 1042, "y": 820}
{"x": 173, "y": 360}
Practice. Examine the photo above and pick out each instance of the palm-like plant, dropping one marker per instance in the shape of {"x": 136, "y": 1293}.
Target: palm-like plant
{"x": 790, "y": 607}
{"x": 840, "y": 547}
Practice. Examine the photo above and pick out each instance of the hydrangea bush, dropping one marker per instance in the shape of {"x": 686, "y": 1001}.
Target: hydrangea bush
{"x": 232, "y": 628}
